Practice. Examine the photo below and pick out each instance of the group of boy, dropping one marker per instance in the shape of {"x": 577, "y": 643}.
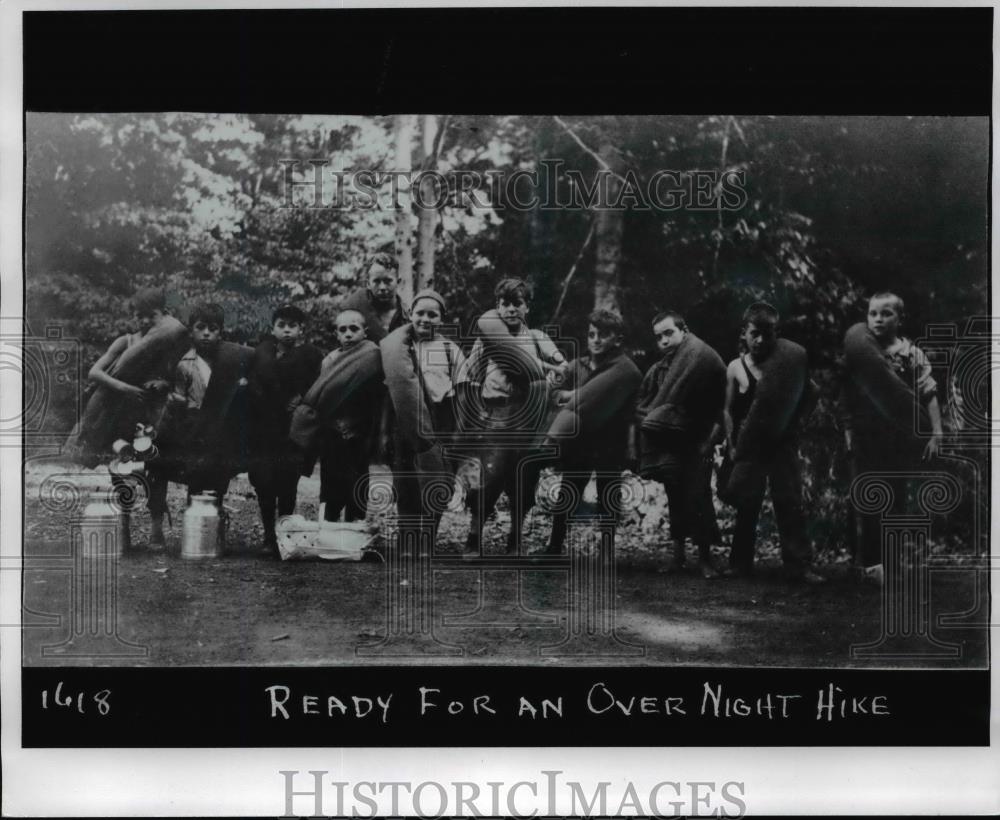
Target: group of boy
{"x": 277, "y": 409}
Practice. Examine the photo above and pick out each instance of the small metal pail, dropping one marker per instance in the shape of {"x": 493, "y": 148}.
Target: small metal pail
{"x": 202, "y": 537}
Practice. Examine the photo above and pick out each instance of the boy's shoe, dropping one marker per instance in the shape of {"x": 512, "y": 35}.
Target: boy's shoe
{"x": 270, "y": 547}
{"x": 806, "y": 576}
{"x": 874, "y": 575}
{"x": 677, "y": 562}
{"x": 157, "y": 541}
{"x": 707, "y": 569}
{"x": 706, "y": 564}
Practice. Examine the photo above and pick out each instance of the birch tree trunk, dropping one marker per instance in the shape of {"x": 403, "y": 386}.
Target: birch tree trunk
{"x": 608, "y": 227}
{"x": 427, "y": 215}
{"x": 403, "y": 132}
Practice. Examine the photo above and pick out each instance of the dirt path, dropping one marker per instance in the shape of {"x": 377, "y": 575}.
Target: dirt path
{"x": 246, "y": 610}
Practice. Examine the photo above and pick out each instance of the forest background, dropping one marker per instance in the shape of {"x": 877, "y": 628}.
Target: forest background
{"x": 835, "y": 208}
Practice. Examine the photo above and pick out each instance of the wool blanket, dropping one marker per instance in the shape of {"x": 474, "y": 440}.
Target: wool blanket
{"x": 885, "y": 395}
{"x": 689, "y": 399}
{"x": 780, "y": 390}
{"x": 776, "y": 403}
{"x": 109, "y": 415}
{"x": 412, "y": 413}
{"x": 513, "y": 353}
{"x": 609, "y": 390}
{"x": 351, "y": 375}
{"x": 213, "y": 438}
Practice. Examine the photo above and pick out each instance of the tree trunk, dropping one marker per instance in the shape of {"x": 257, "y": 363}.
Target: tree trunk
{"x": 427, "y": 214}
{"x": 609, "y": 225}
{"x": 403, "y": 131}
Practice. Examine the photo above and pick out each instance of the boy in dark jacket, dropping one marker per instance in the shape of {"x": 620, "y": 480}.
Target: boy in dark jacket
{"x": 284, "y": 368}
{"x": 203, "y": 443}
{"x": 677, "y": 415}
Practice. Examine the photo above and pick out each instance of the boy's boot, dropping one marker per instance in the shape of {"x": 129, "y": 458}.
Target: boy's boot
{"x": 678, "y": 560}
{"x": 270, "y": 536}
{"x": 706, "y": 565}
{"x": 221, "y": 527}
{"x": 157, "y": 541}
{"x": 471, "y": 549}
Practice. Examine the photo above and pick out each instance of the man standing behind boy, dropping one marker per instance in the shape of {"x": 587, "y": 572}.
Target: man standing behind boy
{"x": 284, "y": 367}
{"x": 677, "y": 416}
{"x": 377, "y": 301}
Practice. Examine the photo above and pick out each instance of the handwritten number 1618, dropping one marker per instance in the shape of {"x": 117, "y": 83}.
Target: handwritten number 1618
{"x": 100, "y": 699}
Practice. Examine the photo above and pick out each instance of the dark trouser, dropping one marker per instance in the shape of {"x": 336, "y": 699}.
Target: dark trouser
{"x": 782, "y": 470}
{"x": 871, "y": 523}
{"x": 209, "y": 481}
{"x": 421, "y": 496}
{"x": 343, "y": 476}
{"x": 276, "y": 482}
{"x": 572, "y": 485}
{"x": 513, "y": 471}
{"x": 156, "y": 492}
{"x": 882, "y": 453}
{"x": 688, "y": 484}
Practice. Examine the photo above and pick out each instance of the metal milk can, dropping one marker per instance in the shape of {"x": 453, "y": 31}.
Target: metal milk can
{"x": 203, "y": 535}
{"x": 101, "y": 527}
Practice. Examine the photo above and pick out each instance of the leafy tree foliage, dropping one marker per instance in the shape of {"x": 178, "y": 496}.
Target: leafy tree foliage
{"x": 834, "y": 208}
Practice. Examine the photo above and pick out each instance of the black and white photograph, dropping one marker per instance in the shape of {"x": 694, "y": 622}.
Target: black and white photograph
{"x": 592, "y": 389}
{"x": 439, "y": 424}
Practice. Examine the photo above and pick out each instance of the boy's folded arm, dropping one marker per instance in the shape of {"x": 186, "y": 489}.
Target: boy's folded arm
{"x": 99, "y": 371}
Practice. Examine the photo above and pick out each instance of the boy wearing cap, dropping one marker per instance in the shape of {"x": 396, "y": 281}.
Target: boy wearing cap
{"x": 423, "y": 373}
{"x": 284, "y": 367}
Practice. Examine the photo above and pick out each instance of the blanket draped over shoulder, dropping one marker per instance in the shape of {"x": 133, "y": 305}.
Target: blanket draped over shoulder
{"x": 780, "y": 390}
{"x": 679, "y": 412}
{"x": 232, "y": 364}
{"x": 512, "y": 352}
{"x": 360, "y": 301}
{"x": 109, "y": 415}
{"x": 598, "y": 401}
{"x": 517, "y": 356}
{"x": 691, "y": 395}
{"x": 412, "y": 415}
{"x": 350, "y": 374}
{"x": 887, "y": 396}
{"x": 213, "y": 437}
{"x": 777, "y": 398}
